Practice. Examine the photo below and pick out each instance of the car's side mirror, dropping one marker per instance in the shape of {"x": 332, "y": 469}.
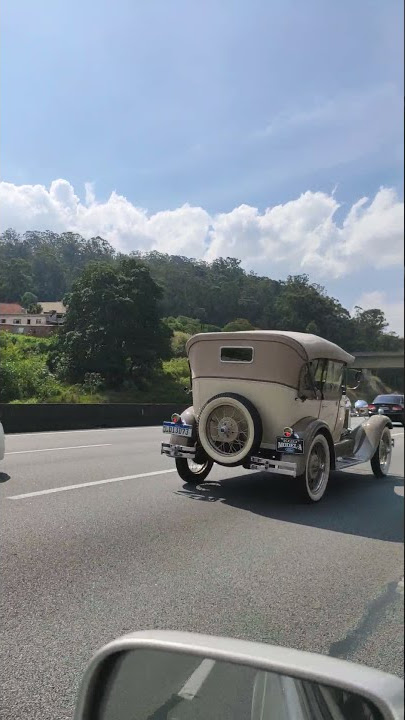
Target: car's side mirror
{"x": 357, "y": 379}
{"x": 160, "y": 675}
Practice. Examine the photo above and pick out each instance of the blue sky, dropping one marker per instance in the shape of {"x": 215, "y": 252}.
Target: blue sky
{"x": 214, "y": 104}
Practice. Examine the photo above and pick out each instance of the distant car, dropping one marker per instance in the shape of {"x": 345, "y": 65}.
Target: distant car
{"x": 1, "y": 442}
{"x": 392, "y": 406}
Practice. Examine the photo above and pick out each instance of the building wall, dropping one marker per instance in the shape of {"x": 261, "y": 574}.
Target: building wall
{"x": 22, "y": 319}
{"x": 36, "y": 330}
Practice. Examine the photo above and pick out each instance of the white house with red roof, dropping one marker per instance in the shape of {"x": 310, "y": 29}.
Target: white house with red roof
{"x": 14, "y": 318}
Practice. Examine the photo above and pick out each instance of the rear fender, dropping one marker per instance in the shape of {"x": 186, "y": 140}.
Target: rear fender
{"x": 367, "y": 436}
{"x": 307, "y": 428}
{"x": 188, "y": 418}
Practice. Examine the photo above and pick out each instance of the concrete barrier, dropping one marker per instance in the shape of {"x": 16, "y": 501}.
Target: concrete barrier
{"x": 37, "y": 418}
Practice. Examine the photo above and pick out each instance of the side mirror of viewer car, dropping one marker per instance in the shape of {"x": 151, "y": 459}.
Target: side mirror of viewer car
{"x": 162, "y": 675}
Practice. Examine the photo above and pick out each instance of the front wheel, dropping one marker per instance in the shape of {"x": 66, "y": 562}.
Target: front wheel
{"x": 192, "y": 472}
{"x": 314, "y": 480}
{"x": 381, "y": 460}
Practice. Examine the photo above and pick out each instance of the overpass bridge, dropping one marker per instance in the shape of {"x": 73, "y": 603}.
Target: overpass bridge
{"x": 376, "y": 360}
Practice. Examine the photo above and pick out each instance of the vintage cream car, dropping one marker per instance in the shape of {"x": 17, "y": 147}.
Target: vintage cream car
{"x": 273, "y": 401}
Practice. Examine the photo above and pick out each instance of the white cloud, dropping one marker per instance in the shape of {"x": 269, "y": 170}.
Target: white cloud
{"x": 302, "y": 235}
{"x": 394, "y": 310}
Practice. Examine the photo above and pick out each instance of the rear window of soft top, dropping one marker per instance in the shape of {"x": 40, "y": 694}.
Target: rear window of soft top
{"x": 237, "y": 354}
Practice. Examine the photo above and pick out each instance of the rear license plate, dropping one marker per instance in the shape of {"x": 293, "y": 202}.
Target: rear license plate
{"x": 176, "y": 429}
{"x": 293, "y": 446}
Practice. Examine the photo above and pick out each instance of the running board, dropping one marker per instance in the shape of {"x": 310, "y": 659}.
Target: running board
{"x": 343, "y": 463}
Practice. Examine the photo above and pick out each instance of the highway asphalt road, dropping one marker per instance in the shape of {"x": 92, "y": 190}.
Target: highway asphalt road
{"x": 83, "y": 561}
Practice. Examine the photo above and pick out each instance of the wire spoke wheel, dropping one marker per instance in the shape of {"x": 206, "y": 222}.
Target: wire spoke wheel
{"x": 317, "y": 469}
{"x": 381, "y": 460}
{"x": 227, "y": 430}
{"x": 385, "y": 454}
{"x": 193, "y": 472}
{"x": 195, "y": 467}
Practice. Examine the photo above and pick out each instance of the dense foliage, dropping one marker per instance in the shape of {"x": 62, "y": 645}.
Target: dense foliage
{"x": 213, "y": 295}
{"x": 26, "y": 377}
{"x": 128, "y": 313}
{"x": 45, "y": 263}
{"x": 112, "y": 325}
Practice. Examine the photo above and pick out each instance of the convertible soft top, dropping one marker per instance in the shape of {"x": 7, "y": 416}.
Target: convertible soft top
{"x": 309, "y": 347}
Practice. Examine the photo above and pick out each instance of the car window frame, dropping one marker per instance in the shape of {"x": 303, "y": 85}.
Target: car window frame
{"x": 336, "y": 392}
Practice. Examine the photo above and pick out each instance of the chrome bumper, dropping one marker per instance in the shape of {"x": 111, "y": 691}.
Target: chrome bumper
{"x": 278, "y": 467}
{"x": 177, "y": 451}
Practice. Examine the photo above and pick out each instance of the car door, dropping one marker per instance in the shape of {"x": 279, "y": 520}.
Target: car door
{"x": 332, "y": 410}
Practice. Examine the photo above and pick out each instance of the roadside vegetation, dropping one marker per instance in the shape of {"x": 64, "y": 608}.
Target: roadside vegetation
{"x": 129, "y": 318}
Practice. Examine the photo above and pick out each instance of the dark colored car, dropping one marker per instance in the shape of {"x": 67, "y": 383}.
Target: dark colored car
{"x": 390, "y": 405}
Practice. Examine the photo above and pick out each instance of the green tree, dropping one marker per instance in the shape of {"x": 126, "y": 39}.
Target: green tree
{"x": 178, "y": 344}
{"x": 29, "y": 301}
{"x": 112, "y": 324}
{"x": 15, "y": 280}
{"x": 312, "y": 328}
{"x": 301, "y": 301}
{"x": 370, "y": 326}
{"x": 49, "y": 274}
{"x": 238, "y": 325}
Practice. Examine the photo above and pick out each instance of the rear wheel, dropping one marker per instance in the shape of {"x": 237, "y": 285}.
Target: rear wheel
{"x": 381, "y": 460}
{"x": 192, "y": 472}
{"x": 314, "y": 480}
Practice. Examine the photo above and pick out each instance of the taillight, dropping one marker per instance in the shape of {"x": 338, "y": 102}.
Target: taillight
{"x": 371, "y": 407}
{"x": 397, "y": 407}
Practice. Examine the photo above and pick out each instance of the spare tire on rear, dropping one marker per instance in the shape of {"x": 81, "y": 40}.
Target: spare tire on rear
{"x": 229, "y": 428}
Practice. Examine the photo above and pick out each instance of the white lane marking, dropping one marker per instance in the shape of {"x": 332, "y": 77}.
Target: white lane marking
{"x": 50, "y": 491}
{"x": 84, "y": 430}
{"x": 195, "y": 681}
{"x": 71, "y": 447}
{"x": 397, "y": 434}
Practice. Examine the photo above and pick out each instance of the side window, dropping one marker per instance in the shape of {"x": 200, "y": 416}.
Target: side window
{"x": 317, "y": 370}
{"x": 332, "y": 389}
{"x": 311, "y": 378}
